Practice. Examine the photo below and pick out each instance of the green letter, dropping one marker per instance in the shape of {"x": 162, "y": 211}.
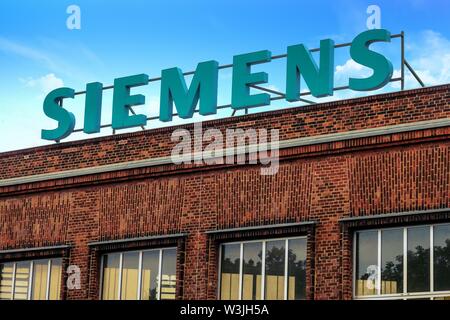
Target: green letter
{"x": 382, "y": 67}
{"x": 300, "y": 62}
{"x": 122, "y": 101}
{"x": 203, "y": 87}
{"x": 53, "y": 110}
{"x": 93, "y": 107}
{"x": 242, "y": 78}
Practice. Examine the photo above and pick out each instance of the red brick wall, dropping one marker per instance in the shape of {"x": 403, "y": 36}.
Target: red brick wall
{"x": 323, "y": 183}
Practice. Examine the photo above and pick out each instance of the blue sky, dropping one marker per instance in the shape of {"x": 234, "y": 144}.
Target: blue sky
{"x": 118, "y": 38}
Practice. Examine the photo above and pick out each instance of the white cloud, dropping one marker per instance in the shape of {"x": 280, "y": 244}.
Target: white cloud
{"x": 25, "y": 52}
{"x": 44, "y": 84}
{"x": 63, "y": 58}
{"x": 350, "y": 69}
{"x": 430, "y": 58}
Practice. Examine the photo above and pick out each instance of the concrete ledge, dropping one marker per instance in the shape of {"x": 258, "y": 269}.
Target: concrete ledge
{"x": 9, "y": 251}
{"x": 394, "y": 215}
{"x": 263, "y": 227}
{"x": 298, "y": 142}
{"x": 120, "y": 241}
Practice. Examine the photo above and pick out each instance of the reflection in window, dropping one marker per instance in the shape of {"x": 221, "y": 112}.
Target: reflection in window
{"x": 150, "y": 267}
{"x": 40, "y": 269}
{"x": 252, "y": 268}
{"x": 130, "y": 276}
{"x": 123, "y": 271}
{"x": 275, "y": 264}
{"x": 6, "y": 280}
{"x": 441, "y": 235}
{"x": 297, "y": 269}
{"x": 43, "y": 277}
{"x": 392, "y": 261}
{"x": 230, "y": 271}
{"x": 168, "y": 276}
{"x": 263, "y": 271}
{"x": 418, "y": 259}
{"x": 424, "y": 280}
{"x": 22, "y": 279}
{"x": 367, "y": 264}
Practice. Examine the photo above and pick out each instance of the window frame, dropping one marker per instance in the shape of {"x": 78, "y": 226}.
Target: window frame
{"x": 140, "y": 261}
{"x": 405, "y": 295}
{"x": 263, "y": 263}
{"x": 30, "y": 277}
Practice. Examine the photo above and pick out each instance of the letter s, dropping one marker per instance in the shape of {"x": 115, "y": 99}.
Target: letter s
{"x": 52, "y": 109}
{"x": 382, "y": 67}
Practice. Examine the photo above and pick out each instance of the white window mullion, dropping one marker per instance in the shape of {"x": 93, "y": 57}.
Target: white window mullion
{"x": 378, "y": 284}
{"x": 13, "y": 284}
{"x": 219, "y": 287}
{"x": 159, "y": 275}
{"x": 30, "y": 280}
{"x": 47, "y": 289}
{"x": 263, "y": 270}
{"x": 355, "y": 236}
{"x": 286, "y": 264}
{"x": 431, "y": 259}
{"x": 139, "y": 286}
{"x": 405, "y": 260}
{"x": 241, "y": 263}
{"x": 119, "y": 287}
{"x": 100, "y": 289}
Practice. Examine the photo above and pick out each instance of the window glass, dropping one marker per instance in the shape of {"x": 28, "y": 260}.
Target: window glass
{"x": 297, "y": 269}
{"x": 366, "y": 266}
{"x": 21, "y": 282}
{"x": 275, "y": 270}
{"x": 417, "y": 264}
{"x": 155, "y": 269}
{"x": 168, "y": 274}
{"x": 418, "y": 259}
{"x": 392, "y": 261}
{"x": 6, "y": 279}
{"x": 111, "y": 264}
{"x": 55, "y": 279}
{"x": 230, "y": 265}
{"x": 252, "y": 270}
{"x": 441, "y": 235}
{"x": 19, "y": 273}
{"x": 40, "y": 273}
{"x": 268, "y": 258}
{"x": 150, "y": 270}
{"x": 130, "y": 276}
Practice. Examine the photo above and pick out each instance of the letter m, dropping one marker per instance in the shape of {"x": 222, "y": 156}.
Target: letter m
{"x": 203, "y": 87}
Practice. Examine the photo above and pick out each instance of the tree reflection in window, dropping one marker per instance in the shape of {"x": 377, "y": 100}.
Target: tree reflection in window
{"x": 247, "y": 274}
{"x": 275, "y": 258}
{"x": 418, "y": 259}
{"x": 420, "y": 240}
{"x": 442, "y": 257}
{"x": 392, "y": 261}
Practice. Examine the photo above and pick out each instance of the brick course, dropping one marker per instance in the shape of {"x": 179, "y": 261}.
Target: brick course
{"x": 324, "y": 183}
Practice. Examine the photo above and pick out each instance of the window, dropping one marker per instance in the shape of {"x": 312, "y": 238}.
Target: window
{"x": 265, "y": 269}
{"x": 139, "y": 275}
{"x": 403, "y": 263}
{"x": 31, "y": 280}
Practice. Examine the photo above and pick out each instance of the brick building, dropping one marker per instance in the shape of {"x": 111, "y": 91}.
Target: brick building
{"x": 360, "y": 208}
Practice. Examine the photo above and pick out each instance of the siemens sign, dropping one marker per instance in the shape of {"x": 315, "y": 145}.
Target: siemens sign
{"x": 203, "y": 88}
